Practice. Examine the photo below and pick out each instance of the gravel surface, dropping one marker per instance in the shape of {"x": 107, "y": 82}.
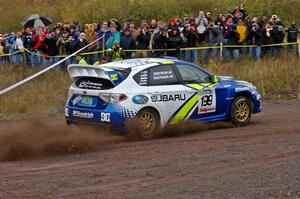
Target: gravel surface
{"x": 261, "y": 160}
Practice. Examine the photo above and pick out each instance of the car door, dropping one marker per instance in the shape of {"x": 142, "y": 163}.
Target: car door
{"x": 166, "y": 93}
{"x": 209, "y": 97}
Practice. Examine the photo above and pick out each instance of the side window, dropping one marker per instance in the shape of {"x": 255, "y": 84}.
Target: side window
{"x": 191, "y": 74}
{"x": 162, "y": 75}
{"x": 142, "y": 78}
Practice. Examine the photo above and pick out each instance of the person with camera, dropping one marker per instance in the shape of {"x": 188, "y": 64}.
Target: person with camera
{"x": 211, "y": 35}
{"x": 174, "y": 41}
{"x": 158, "y": 39}
{"x": 255, "y": 38}
{"x": 52, "y": 49}
{"x": 64, "y": 45}
{"x": 191, "y": 42}
{"x": 143, "y": 40}
{"x": 201, "y": 22}
{"x": 278, "y": 34}
{"x": 38, "y": 47}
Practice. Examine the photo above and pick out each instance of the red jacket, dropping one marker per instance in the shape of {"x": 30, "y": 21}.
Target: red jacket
{"x": 38, "y": 42}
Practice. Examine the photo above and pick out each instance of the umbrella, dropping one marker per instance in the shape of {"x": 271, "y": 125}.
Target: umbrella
{"x": 36, "y": 21}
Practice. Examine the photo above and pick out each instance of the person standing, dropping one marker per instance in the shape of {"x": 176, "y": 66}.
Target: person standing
{"x": 211, "y": 41}
{"x": 255, "y": 38}
{"x": 191, "y": 42}
{"x": 19, "y": 47}
{"x": 104, "y": 34}
{"x": 127, "y": 43}
{"x": 90, "y": 37}
{"x": 174, "y": 41}
{"x": 143, "y": 40}
{"x": 293, "y": 31}
{"x": 114, "y": 37}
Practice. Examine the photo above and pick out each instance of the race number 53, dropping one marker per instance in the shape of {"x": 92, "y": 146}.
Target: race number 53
{"x": 207, "y": 101}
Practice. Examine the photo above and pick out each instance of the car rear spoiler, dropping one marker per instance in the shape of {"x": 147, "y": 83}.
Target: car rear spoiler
{"x": 77, "y": 71}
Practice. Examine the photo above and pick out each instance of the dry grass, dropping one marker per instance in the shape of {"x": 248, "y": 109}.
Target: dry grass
{"x": 45, "y": 92}
{"x": 275, "y": 78}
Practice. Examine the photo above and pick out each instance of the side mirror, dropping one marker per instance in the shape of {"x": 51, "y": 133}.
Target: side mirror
{"x": 214, "y": 79}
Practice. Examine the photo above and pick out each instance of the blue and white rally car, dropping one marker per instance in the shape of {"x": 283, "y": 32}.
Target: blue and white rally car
{"x": 158, "y": 92}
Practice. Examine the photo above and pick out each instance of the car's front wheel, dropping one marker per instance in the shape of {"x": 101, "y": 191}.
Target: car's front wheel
{"x": 241, "y": 111}
{"x": 149, "y": 123}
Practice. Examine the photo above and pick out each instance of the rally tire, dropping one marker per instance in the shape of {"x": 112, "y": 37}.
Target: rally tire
{"x": 240, "y": 113}
{"x": 149, "y": 123}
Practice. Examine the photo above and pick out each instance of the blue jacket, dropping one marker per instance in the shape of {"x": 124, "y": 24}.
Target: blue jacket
{"x": 100, "y": 34}
{"x": 127, "y": 42}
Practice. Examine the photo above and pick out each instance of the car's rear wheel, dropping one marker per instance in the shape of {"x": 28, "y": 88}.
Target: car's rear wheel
{"x": 241, "y": 111}
{"x": 149, "y": 123}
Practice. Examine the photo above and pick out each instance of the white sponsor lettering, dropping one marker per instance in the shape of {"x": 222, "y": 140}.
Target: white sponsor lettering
{"x": 83, "y": 114}
{"x": 105, "y": 117}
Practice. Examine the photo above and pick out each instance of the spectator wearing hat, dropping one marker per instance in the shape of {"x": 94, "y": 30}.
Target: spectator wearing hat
{"x": 127, "y": 42}
{"x": 208, "y": 17}
{"x": 278, "y": 34}
{"x": 255, "y": 38}
{"x": 80, "y": 43}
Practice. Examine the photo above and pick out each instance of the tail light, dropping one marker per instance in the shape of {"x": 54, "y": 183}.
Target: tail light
{"x": 113, "y": 97}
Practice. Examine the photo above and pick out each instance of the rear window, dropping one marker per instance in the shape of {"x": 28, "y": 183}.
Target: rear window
{"x": 94, "y": 83}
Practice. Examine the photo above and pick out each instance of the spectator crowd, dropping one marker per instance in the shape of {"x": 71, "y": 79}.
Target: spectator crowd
{"x": 43, "y": 46}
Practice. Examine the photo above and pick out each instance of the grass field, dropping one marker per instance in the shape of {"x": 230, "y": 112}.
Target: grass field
{"x": 90, "y": 11}
{"x": 275, "y": 78}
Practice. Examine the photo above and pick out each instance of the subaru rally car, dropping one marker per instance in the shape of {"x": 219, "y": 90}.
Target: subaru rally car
{"x": 157, "y": 92}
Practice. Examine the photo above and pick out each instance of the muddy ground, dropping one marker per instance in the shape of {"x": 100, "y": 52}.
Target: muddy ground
{"x": 42, "y": 158}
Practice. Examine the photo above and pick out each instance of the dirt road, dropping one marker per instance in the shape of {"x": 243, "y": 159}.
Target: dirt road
{"x": 258, "y": 161}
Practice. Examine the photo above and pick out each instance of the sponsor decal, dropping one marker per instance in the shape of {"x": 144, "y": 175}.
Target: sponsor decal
{"x": 105, "y": 117}
{"x": 87, "y": 115}
{"x": 160, "y": 75}
{"x": 89, "y": 84}
{"x": 140, "y": 99}
{"x": 207, "y": 101}
{"x": 166, "y": 98}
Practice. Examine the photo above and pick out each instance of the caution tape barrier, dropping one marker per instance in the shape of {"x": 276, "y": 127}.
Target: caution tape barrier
{"x": 155, "y": 50}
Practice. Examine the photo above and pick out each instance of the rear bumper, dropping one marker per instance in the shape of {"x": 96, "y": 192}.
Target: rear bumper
{"x": 107, "y": 117}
